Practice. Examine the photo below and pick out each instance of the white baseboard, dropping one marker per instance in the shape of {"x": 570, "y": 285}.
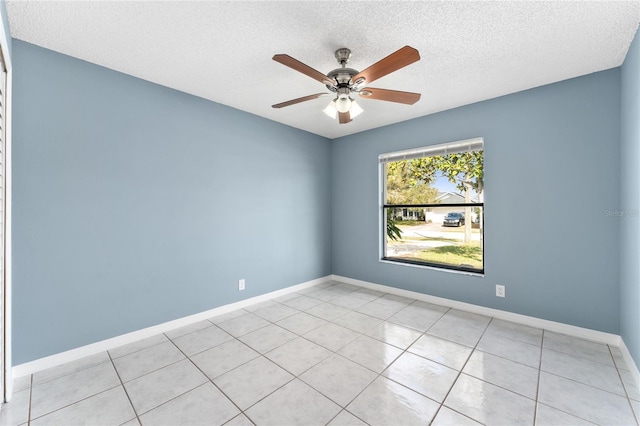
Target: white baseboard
{"x": 75, "y": 354}
{"x": 556, "y": 327}
{"x": 104, "y": 345}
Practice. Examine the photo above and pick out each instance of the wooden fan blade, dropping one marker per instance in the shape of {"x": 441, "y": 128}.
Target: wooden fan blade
{"x": 408, "y": 98}
{"x": 303, "y": 68}
{"x": 398, "y": 59}
{"x": 344, "y": 117}
{"x": 298, "y": 100}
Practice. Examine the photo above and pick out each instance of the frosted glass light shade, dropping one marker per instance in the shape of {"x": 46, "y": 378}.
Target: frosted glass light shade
{"x": 331, "y": 110}
{"x": 356, "y": 110}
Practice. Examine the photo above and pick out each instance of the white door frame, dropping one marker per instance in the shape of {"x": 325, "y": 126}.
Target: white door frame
{"x": 5, "y": 342}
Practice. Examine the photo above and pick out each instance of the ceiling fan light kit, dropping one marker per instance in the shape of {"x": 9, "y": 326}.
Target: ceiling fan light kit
{"x": 346, "y": 82}
{"x": 332, "y": 110}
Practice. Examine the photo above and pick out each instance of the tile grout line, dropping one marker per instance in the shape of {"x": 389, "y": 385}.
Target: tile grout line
{"x": 624, "y": 387}
{"x": 535, "y": 410}
{"x": 124, "y": 388}
{"x": 461, "y": 369}
{"x": 30, "y": 399}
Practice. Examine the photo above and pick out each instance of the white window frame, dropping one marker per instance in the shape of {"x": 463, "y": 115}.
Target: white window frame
{"x": 467, "y": 145}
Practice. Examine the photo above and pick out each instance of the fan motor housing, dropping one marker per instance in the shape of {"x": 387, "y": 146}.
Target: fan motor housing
{"x": 342, "y": 76}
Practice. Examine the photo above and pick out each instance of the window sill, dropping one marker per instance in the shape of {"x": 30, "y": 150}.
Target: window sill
{"x": 433, "y": 268}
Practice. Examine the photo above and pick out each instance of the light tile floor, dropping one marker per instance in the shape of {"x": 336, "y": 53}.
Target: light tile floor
{"x": 337, "y": 354}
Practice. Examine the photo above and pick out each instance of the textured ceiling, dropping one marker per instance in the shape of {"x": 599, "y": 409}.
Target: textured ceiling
{"x": 471, "y": 51}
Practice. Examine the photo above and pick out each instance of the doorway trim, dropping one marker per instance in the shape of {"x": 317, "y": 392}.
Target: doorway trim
{"x": 5, "y": 341}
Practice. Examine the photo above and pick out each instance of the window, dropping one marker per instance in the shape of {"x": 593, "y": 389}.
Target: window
{"x": 432, "y": 207}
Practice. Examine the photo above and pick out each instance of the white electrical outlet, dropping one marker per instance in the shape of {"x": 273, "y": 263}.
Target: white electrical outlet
{"x": 241, "y": 284}
{"x": 499, "y": 290}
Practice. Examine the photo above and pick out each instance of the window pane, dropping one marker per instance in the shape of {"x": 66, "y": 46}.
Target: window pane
{"x": 402, "y": 187}
{"x": 447, "y": 238}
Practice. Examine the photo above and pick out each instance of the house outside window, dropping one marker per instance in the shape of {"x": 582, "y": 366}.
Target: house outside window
{"x": 432, "y": 206}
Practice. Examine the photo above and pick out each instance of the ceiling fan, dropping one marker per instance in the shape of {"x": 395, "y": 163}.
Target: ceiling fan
{"x": 345, "y": 82}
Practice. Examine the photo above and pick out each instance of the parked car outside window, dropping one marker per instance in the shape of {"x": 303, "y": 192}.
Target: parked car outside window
{"x": 453, "y": 219}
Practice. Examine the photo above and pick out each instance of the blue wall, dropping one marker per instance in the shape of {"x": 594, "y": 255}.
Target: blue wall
{"x": 630, "y": 202}
{"x": 552, "y": 169}
{"x": 135, "y": 204}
